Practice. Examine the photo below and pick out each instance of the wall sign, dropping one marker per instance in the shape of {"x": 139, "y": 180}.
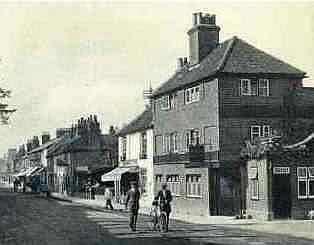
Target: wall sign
{"x": 281, "y": 170}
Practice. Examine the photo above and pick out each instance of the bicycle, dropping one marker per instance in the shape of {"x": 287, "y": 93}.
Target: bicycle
{"x": 158, "y": 218}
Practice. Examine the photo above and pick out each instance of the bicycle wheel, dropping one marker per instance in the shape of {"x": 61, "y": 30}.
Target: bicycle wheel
{"x": 163, "y": 222}
{"x": 150, "y": 221}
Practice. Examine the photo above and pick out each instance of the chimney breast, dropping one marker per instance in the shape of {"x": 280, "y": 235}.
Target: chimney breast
{"x": 203, "y": 37}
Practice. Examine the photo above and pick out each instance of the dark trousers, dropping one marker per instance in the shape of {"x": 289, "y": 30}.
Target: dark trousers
{"x": 167, "y": 220}
{"x": 109, "y": 204}
{"x": 133, "y": 218}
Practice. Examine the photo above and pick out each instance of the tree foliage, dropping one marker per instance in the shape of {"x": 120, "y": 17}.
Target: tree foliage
{"x": 5, "y": 111}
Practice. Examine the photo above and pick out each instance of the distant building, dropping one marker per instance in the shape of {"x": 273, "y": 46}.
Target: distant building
{"x": 78, "y": 153}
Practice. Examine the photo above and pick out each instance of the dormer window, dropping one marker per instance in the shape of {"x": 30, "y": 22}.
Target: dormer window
{"x": 192, "y": 95}
{"x": 254, "y": 87}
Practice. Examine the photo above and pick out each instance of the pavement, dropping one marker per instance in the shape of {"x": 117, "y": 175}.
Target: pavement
{"x": 299, "y": 228}
{"x": 32, "y": 219}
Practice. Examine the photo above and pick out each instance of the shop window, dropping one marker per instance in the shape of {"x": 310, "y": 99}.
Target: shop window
{"x": 173, "y": 183}
{"x": 305, "y": 182}
{"x": 193, "y": 186}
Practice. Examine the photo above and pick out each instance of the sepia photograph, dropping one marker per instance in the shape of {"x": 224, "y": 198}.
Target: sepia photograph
{"x": 157, "y": 122}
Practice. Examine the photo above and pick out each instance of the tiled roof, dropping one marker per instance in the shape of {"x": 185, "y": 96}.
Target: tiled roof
{"x": 45, "y": 146}
{"x": 64, "y": 144}
{"x": 140, "y": 123}
{"x": 233, "y": 56}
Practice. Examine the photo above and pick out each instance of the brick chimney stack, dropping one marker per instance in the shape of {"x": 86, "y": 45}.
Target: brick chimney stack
{"x": 203, "y": 37}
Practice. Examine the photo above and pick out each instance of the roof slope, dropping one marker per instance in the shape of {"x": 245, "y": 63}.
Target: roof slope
{"x": 140, "y": 123}
{"x": 45, "y": 146}
{"x": 232, "y": 56}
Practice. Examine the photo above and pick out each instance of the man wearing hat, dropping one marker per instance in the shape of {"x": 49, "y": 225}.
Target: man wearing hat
{"x": 132, "y": 200}
{"x": 164, "y": 196}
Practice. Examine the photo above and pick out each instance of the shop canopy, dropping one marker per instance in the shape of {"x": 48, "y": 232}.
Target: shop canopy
{"x": 115, "y": 175}
{"x": 29, "y": 172}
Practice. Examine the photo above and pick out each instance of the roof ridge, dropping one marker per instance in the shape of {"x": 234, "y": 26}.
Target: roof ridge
{"x": 226, "y": 54}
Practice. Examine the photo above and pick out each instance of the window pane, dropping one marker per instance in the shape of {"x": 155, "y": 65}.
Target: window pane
{"x": 311, "y": 172}
{"x": 302, "y": 188}
{"x": 263, "y": 87}
{"x": 311, "y": 187}
{"x": 254, "y": 89}
{"x": 245, "y": 87}
{"x": 302, "y": 172}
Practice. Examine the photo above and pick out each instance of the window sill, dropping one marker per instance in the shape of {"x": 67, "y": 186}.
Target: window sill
{"x": 194, "y": 196}
{"x": 191, "y": 102}
{"x": 254, "y": 198}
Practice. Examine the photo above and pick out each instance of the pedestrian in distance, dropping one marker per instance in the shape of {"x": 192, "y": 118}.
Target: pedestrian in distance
{"x": 132, "y": 202}
{"x": 164, "y": 197}
{"x": 108, "y": 198}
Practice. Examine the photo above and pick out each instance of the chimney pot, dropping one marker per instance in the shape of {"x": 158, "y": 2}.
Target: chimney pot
{"x": 185, "y": 61}
{"x": 179, "y": 63}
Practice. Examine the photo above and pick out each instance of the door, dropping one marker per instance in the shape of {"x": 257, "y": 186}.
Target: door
{"x": 281, "y": 196}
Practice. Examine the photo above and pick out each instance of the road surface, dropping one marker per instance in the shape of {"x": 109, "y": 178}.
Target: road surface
{"x": 32, "y": 219}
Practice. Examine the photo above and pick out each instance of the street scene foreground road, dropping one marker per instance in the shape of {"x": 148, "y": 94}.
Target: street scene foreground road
{"x": 33, "y": 219}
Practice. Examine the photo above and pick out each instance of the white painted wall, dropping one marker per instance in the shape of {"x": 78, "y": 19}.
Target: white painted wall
{"x": 133, "y": 153}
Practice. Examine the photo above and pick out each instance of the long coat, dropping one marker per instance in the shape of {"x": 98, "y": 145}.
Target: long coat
{"x": 165, "y": 200}
{"x": 133, "y": 199}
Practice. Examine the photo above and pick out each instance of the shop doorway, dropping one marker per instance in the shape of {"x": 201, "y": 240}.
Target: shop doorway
{"x": 281, "y": 196}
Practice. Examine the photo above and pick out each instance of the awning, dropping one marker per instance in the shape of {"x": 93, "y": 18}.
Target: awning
{"x": 32, "y": 171}
{"x": 116, "y": 174}
{"x": 38, "y": 171}
{"x": 252, "y": 173}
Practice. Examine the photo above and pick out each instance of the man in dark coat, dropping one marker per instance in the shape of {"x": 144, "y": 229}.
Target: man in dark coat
{"x": 164, "y": 197}
{"x": 132, "y": 201}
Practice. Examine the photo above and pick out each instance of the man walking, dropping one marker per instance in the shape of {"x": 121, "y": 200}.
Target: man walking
{"x": 132, "y": 200}
{"x": 164, "y": 197}
{"x": 108, "y": 197}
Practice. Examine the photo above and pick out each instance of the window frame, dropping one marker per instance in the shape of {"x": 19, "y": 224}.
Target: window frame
{"x": 174, "y": 184}
{"x": 165, "y": 102}
{"x": 259, "y": 131}
{"x": 193, "y": 187}
{"x": 143, "y": 147}
{"x": 192, "y": 94}
{"x": 261, "y": 88}
{"x": 245, "y": 82}
{"x": 124, "y": 148}
{"x": 302, "y": 179}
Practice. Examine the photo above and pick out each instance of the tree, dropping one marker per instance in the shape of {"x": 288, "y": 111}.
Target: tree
{"x": 5, "y": 112}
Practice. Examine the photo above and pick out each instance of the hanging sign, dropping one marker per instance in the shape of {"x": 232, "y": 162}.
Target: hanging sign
{"x": 281, "y": 170}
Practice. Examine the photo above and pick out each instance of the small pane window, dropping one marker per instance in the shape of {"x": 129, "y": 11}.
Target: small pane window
{"x": 245, "y": 87}
{"x": 302, "y": 172}
{"x": 302, "y": 188}
{"x": 263, "y": 87}
{"x": 254, "y": 88}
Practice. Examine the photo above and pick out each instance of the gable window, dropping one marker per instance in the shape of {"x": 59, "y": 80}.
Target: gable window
{"x": 192, "y": 95}
{"x": 192, "y": 137}
{"x": 260, "y": 131}
{"x": 305, "y": 182}
{"x": 143, "y": 146}
{"x": 253, "y": 87}
{"x": 123, "y": 144}
{"x": 193, "y": 185}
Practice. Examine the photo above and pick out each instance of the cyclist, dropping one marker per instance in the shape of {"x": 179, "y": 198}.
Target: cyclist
{"x": 164, "y": 197}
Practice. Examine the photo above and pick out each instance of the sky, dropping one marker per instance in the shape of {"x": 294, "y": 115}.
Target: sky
{"x": 63, "y": 61}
